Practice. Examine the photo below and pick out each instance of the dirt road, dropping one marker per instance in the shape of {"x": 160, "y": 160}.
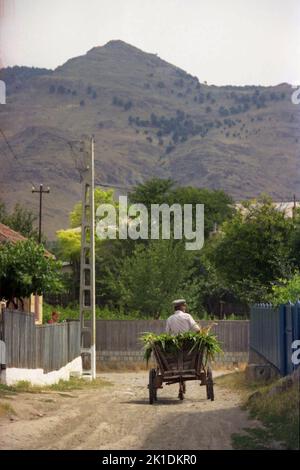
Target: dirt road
{"x": 119, "y": 417}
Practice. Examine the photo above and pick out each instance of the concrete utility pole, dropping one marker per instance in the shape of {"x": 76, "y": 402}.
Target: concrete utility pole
{"x": 294, "y": 207}
{"x": 87, "y": 266}
{"x": 41, "y": 191}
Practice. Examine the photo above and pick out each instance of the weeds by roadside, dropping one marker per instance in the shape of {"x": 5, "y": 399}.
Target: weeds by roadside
{"x": 6, "y": 410}
{"x": 278, "y": 412}
{"x": 74, "y": 383}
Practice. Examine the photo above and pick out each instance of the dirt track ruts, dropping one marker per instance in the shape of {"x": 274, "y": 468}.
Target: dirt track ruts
{"x": 119, "y": 417}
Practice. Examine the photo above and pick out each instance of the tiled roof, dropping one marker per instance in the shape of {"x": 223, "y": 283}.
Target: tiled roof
{"x": 9, "y": 235}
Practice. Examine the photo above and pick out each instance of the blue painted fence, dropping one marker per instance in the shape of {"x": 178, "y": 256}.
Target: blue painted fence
{"x": 272, "y": 333}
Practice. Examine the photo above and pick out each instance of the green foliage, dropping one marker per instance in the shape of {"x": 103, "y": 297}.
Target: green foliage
{"x": 278, "y": 412}
{"x": 72, "y": 313}
{"x": 192, "y": 341}
{"x": 153, "y": 276}
{"x": 295, "y": 240}
{"x": 17, "y": 76}
{"x": 253, "y": 249}
{"x": 178, "y": 127}
{"x": 153, "y": 191}
{"x": 287, "y": 291}
{"x": 126, "y": 105}
{"x": 20, "y": 219}
{"x": 206, "y": 287}
{"x": 218, "y": 206}
{"x": 69, "y": 242}
{"x": 100, "y": 197}
{"x": 24, "y": 269}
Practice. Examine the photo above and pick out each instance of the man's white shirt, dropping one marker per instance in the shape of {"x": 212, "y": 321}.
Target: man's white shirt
{"x": 180, "y": 322}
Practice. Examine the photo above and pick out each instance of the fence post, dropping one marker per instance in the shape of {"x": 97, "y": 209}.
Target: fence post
{"x": 282, "y": 340}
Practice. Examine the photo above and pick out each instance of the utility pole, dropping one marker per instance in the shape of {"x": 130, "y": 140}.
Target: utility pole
{"x": 87, "y": 266}
{"x": 41, "y": 191}
{"x": 294, "y": 207}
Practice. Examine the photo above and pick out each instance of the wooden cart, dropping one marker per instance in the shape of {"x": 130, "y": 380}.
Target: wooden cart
{"x": 179, "y": 367}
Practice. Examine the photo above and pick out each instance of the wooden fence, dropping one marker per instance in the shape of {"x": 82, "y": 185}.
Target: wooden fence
{"x": 123, "y": 335}
{"x": 31, "y": 346}
{"x": 52, "y": 346}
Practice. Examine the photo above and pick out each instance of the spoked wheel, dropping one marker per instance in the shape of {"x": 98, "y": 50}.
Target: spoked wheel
{"x": 209, "y": 385}
{"x": 181, "y": 390}
{"x": 151, "y": 386}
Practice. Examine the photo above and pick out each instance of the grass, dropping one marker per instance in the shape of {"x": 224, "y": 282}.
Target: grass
{"x": 74, "y": 383}
{"x": 6, "y": 410}
{"x": 279, "y": 413}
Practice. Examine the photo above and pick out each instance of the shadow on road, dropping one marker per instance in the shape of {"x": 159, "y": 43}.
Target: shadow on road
{"x": 196, "y": 430}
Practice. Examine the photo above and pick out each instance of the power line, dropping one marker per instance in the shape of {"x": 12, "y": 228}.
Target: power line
{"x": 11, "y": 150}
{"x": 113, "y": 186}
{"x": 8, "y": 144}
{"x": 70, "y": 144}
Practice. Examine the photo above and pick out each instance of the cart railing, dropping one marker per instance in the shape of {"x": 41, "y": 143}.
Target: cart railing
{"x": 187, "y": 359}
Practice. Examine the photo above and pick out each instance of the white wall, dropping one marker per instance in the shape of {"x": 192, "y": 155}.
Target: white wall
{"x": 12, "y": 375}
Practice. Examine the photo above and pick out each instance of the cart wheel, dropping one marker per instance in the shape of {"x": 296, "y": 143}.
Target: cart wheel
{"x": 209, "y": 385}
{"x": 181, "y": 390}
{"x": 151, "y": 386}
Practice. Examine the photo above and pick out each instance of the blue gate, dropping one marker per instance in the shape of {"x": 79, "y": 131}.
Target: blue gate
{"x": 273, "y": 331}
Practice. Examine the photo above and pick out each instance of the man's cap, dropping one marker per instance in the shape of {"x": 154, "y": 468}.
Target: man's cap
{"x": 179, "y": 302}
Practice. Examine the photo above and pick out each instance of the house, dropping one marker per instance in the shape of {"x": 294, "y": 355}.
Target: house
{"x": 33, "y": 304}
{"x": 289, "y": 208}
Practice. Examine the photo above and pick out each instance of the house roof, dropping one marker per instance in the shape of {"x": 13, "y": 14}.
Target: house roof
{"x": 7, "y": 234}
{"x": 287, "y": 207}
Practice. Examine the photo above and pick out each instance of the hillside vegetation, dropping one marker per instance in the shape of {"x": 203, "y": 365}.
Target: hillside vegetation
{"x": 149, "y": 119}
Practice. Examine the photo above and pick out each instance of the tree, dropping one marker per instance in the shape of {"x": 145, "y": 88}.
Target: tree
{"x": 206, "y": 288}
{"x": 24, "y": 270}
{"x": 21, "y": 220}
{"x": 153, "y": 276}
{"x": 69, "y": 243}
{"x": 294, "y": 241}
{"x": 287, "y": 290}
{"x": 100, "y": 197}
{"x": 154, "y": 191}
{"x": 253, "y": 248}
{"x": 218, "y": 206}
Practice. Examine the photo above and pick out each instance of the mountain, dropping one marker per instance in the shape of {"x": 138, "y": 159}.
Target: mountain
{"x": 149, "y": 118}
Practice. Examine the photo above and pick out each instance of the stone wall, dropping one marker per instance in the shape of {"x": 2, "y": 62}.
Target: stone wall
{"x": 130, "y": 358}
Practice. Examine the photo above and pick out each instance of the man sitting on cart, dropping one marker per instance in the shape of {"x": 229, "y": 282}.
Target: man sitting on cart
{"x": 180, "y": 321}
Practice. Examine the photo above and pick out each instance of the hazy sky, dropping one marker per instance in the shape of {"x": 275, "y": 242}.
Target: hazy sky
{"x": 221, "y": 41}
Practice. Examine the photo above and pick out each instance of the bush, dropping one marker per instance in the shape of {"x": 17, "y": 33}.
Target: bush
{"x": 286, "y": 291}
